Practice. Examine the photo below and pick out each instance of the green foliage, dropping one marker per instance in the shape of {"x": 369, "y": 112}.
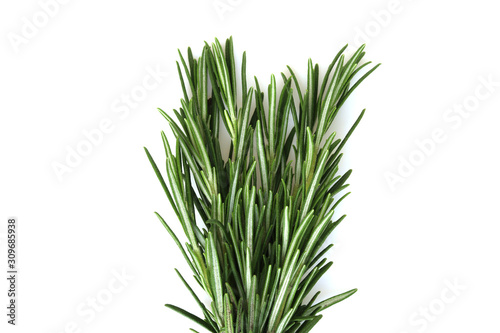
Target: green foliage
{"x": 257, "y": 222}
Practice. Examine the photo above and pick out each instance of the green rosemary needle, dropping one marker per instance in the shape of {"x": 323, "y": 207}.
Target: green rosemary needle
{"x": 256, "y": 223}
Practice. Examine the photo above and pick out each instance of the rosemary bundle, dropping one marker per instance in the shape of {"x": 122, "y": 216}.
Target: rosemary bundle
{"x": 256, "y": 222}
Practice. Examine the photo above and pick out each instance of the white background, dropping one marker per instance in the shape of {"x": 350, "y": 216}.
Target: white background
{"x": 401, "y": 245}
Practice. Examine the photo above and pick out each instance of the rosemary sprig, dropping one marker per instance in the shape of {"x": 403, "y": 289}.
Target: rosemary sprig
{"x": 256, "y": 224}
